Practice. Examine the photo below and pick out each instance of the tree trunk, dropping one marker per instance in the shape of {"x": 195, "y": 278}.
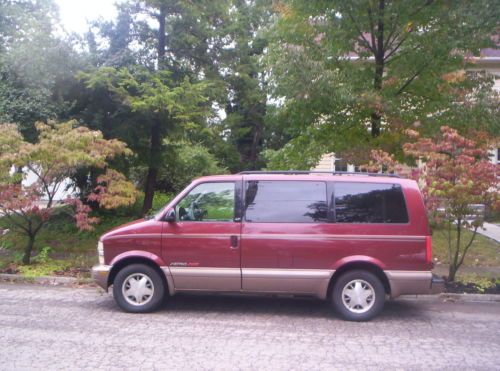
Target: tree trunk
{"x": 452, "y": 273}
{"x": 161, "y": 38}
{"x": 376, "y": 117}
{"x": 28, "y": 249}
{"x": 454, "y": 264}
{"x": 155, "y": 140}
{"x": 154, "y": 160}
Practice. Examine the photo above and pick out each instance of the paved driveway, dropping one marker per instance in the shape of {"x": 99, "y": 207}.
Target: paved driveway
{"x": 61, "y": 328}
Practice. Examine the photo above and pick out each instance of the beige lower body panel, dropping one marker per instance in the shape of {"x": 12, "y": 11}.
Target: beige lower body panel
{"x": 206, "y": 278}
{"x": 312, "y": 282}
{"x": 409, "y": 282}
{"x": 290, "y": 281}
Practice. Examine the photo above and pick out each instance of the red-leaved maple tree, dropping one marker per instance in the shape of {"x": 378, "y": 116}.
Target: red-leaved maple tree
{"x": 454, "y": 175}
{"x": 60, "y": 151}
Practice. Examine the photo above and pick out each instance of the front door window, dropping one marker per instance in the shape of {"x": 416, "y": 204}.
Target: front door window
{"x": 208, "y": 202}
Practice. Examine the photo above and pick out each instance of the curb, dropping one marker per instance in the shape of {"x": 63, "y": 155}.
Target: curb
{"x": 46, "y": 280}
{"x": 454, "y": 297}
{"x": 73, "y": 281}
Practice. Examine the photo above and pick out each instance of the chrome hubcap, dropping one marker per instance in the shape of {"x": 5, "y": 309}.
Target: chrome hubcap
{"x": 358, "y": 296}
{"x": 138, "y": 289}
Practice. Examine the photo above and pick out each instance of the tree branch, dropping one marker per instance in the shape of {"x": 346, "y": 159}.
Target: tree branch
{"x": 40, "y": 177}
{"x": 418, "y": 10}
{"x": 410, "y": 80}
{"x": 468, "y": 246}
{"x": 14, "y": 222}
{"x": 361, "y": 37}
{"x": 396, "y": 48}
{"x": 392, "y": 32}
{"x": 402, "y": 40}
{"x": 372, "y": 31}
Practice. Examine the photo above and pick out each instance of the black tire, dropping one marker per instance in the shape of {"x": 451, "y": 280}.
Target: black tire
{"x": 154, "y": 283}
{"x": 357, "y": 312}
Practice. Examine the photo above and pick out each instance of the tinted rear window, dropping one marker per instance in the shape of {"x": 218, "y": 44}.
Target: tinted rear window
{"x": 285, "y": 202}
{"x": 369, "y": 203}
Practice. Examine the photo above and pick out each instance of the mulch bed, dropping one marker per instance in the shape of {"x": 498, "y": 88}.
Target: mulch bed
{"x": 471, "y": 288}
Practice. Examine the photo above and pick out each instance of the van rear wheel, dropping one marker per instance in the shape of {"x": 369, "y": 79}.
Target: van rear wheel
{"x": 358, "y": 295}
{"x": 138, "y": 288}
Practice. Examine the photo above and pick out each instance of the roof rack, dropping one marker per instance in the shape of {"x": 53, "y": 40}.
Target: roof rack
{"x": 297, "y": 172}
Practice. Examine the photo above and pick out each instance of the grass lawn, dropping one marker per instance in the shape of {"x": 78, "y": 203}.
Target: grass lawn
{"x": 60, "y": 246}
{"x": 484, "y": 251}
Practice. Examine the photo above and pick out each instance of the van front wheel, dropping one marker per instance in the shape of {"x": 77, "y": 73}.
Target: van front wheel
{"x": 138, "y": 288}
{"x": 358, "y": 295}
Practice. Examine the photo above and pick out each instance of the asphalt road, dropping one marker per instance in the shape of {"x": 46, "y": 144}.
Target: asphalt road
{"x": 51, "y": 328}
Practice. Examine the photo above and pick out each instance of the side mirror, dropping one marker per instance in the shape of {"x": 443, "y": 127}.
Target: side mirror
{"x": 170, "y": 216}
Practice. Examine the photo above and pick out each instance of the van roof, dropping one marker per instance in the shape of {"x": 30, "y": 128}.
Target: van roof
{"x": 356, "y": 177}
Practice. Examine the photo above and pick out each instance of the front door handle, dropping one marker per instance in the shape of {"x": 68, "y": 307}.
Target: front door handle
{"x": 234, "y": 242}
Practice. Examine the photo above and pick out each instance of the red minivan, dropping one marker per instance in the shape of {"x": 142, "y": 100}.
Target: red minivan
{"x": 350, "y": 238}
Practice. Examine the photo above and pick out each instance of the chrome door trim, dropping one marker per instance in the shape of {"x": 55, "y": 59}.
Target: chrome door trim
{"x": 333, "y": 237}
{"x": 198, "y": 235}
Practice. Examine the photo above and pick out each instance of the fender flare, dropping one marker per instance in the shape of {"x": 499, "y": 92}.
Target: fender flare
{"x": 358, "y": 259}
{"x": 138, "y": 254}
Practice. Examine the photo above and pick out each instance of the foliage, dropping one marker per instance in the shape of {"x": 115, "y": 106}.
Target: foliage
{"x": 60, "y": 150}
{"x": 246, "y": 102}
{"x": 40, "y": 269}
{"x": 36, "y": 67}
{"x": 456, "y": 174}
{"x": 114, "y": 190}
{"x": 169, "y": 107}
{"x": 481, "y": 284}
{"x": 183, "y": 162}
{"x": 160, "y": 201}
{"x": 350, "y": 76}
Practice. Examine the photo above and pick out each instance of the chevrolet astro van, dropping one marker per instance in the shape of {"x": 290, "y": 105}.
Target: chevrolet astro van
{"x": 353, "y": 239}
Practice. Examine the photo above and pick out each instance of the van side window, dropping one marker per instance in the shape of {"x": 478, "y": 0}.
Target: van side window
{"x": 285, "y": 201}
{"x": 369, "y": 203}
{"x": 207, "y": 202}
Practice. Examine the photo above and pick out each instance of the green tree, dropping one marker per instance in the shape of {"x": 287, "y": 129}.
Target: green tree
{"x": 169, "y": 108}
{"x": 246, "y": 103}
{"x": 352, "y": 75}
{"x": 182, "y": 162}
{"x": 36, "y": 68}
{"x": 174, "y": 46}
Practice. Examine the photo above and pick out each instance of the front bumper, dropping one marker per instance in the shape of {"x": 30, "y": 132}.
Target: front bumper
{"x": 100, "y": 274}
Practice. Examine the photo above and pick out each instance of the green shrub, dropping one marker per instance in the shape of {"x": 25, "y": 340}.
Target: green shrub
{"x": 43, "y": 269}
{"x": 481, "y": 283}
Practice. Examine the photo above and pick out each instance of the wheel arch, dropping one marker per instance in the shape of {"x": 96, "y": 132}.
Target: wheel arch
{"x": 366, "y": 265}
{"x": 138, "y": 259}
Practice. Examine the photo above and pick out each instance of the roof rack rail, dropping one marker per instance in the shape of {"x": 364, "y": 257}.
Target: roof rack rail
{"x": 297, "y": 172}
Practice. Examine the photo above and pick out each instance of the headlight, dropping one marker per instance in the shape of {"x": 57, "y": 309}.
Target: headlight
{"x": 100, "y": 252}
